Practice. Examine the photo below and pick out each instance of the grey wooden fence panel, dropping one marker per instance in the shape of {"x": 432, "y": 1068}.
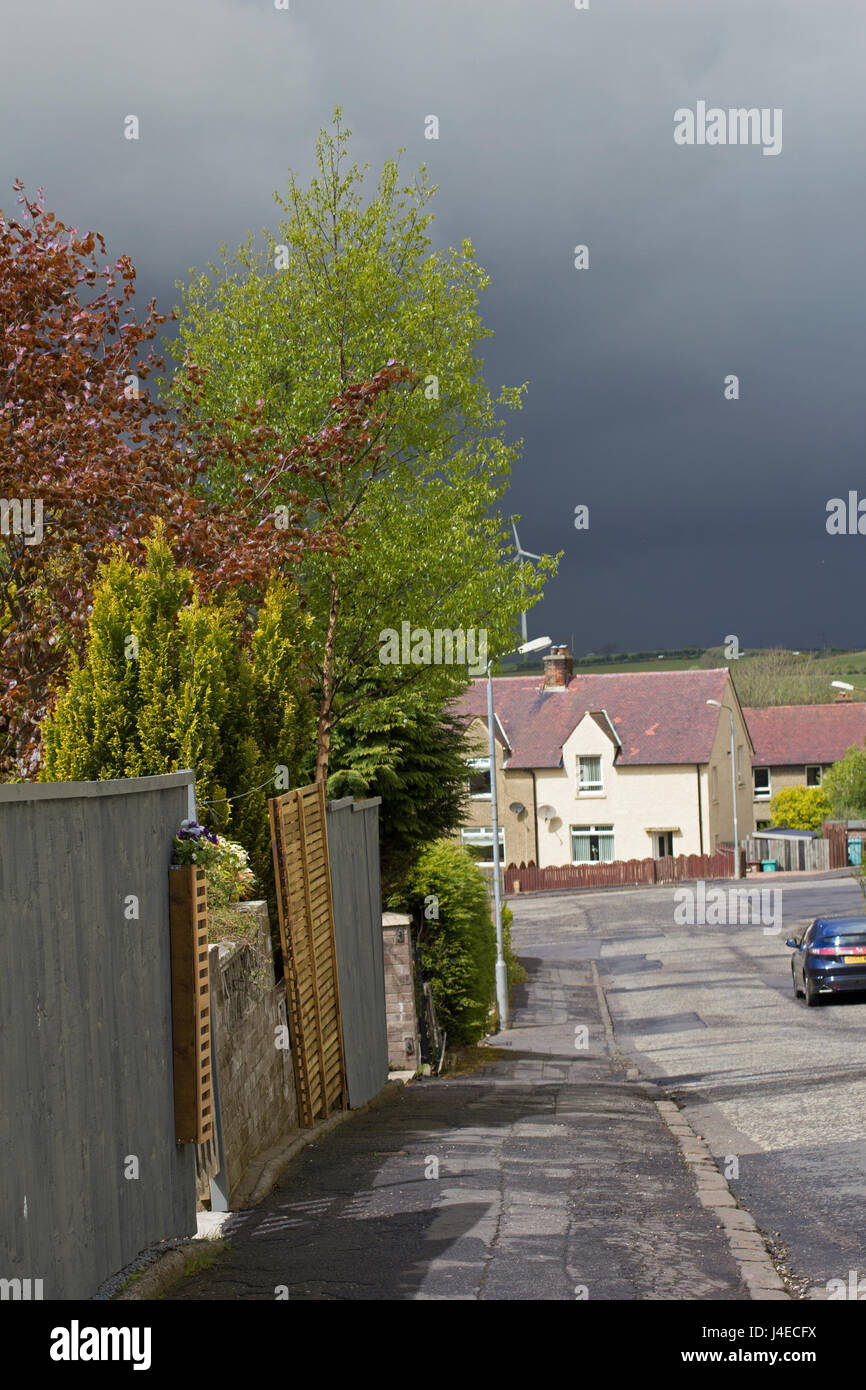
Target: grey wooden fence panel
{"x": 790, "y": 853}
{"x": 85, "y": 1031}
{"x": 353, "y": 851}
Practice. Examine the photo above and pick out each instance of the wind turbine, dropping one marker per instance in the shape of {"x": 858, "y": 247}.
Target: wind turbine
{"x": 522, "y": 555}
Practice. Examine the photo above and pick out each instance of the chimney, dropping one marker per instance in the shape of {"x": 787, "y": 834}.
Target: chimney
{"x": 558, "y": 669}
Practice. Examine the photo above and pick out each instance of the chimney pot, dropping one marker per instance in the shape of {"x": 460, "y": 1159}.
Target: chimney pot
{"x": 558, "y": 669}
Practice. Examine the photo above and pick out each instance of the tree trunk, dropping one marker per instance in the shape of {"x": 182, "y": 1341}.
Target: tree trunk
{"x": 323, "y": 743}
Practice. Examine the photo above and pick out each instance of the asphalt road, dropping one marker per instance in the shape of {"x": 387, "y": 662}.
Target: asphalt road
{"x": 776, "y": 1089}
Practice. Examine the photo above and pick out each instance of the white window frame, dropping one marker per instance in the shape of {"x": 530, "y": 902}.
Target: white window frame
{"x": 813, "y": 767}
{"x": 762, "y": 795}
{"x": 481, "y": 836}
{"x": 481, "y": 765}
{"x": 594, "y": 788}
{"x": 607, "y": 831}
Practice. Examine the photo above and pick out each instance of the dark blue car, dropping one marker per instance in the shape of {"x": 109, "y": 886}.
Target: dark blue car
{"x": 829, "y": 958}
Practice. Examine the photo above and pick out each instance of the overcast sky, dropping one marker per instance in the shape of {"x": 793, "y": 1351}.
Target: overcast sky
{"x": 707, "y": 515}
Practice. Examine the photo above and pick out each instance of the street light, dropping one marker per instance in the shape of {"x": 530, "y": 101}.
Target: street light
{"x": 501, "y": 973}
{"x": 718, "y": 704}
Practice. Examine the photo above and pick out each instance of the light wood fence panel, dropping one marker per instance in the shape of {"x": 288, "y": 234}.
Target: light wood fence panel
{"x": 300, "y": 844}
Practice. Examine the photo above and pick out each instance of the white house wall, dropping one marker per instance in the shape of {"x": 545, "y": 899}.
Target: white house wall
{"x": 635, "y": 800}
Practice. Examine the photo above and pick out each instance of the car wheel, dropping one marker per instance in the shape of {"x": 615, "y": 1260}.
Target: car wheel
{"x": 813, "y": 998}
{"x": 797, "y": 989}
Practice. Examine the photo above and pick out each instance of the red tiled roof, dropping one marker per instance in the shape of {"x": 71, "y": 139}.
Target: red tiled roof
{"x": 788, "y": 735}
{"x": 660, "y": 716}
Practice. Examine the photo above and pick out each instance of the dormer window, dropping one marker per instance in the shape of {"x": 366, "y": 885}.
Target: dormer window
{"x": 589, "y": 776}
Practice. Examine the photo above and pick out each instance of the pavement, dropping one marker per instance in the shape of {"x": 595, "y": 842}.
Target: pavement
{"x": 552, "y": 1172}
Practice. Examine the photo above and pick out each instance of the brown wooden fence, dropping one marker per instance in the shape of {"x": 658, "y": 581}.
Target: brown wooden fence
{"x": 527, "y": 878}
{"x": 836, "y": 834}
{"x": 302, "y": 870}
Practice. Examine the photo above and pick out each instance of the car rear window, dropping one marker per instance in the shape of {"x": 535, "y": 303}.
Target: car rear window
{"x": 852, "y": 932}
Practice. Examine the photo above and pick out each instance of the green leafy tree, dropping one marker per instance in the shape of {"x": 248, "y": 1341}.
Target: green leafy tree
{"x": 412, "y": 754}
{"x": 801, "y": 808}
{"x": 844, "y": 785}
{"x": 347, "y": 287}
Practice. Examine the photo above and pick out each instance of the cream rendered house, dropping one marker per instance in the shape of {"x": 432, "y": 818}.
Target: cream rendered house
{"x": 620, "y": 766}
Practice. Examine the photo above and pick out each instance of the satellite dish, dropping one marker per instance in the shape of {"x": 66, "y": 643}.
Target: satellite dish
{"x": 517, "y": 808}
{"x": 547, "y": 812}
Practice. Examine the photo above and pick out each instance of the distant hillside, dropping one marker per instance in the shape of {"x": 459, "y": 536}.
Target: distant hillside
{"x": 771, "y": 676}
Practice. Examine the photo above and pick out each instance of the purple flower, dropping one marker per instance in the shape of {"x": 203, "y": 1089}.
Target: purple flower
{"x": 191, "y": 830}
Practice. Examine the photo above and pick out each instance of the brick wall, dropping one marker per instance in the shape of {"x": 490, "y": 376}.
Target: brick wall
{"x": 399, "y": 992}
{"x": 256, "y": 1078}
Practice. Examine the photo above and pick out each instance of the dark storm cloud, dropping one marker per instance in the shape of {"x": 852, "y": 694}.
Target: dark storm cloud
{"x": 556, "y": 128}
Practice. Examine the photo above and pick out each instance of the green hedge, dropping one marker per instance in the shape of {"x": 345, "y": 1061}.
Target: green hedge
{"x": 458, "y": 947}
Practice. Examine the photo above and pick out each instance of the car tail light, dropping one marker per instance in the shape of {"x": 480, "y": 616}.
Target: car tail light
{"x": 837, "y": 951}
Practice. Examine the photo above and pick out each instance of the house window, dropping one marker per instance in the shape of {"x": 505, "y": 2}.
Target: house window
{"x": 813, "y": 776}
{"x": 478, "y": 841}
{"x": 740, "y": 764}
{"x": 592, "y": 844}
{"x": 663, "y": 844}
{"x": 761, "y": 778}
{"x": 479, "y": 779}
{"x": 589, "y": 775}
{"x": 715, "y": 784}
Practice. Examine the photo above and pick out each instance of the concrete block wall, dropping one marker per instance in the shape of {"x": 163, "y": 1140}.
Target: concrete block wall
{"x": 403, "y": 1039}
{"x": 256, "y": 1078}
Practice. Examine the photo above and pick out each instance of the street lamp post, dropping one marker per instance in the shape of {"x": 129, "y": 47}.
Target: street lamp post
{"x": 737, "y": 873}
{"x": 501, "y": 972}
